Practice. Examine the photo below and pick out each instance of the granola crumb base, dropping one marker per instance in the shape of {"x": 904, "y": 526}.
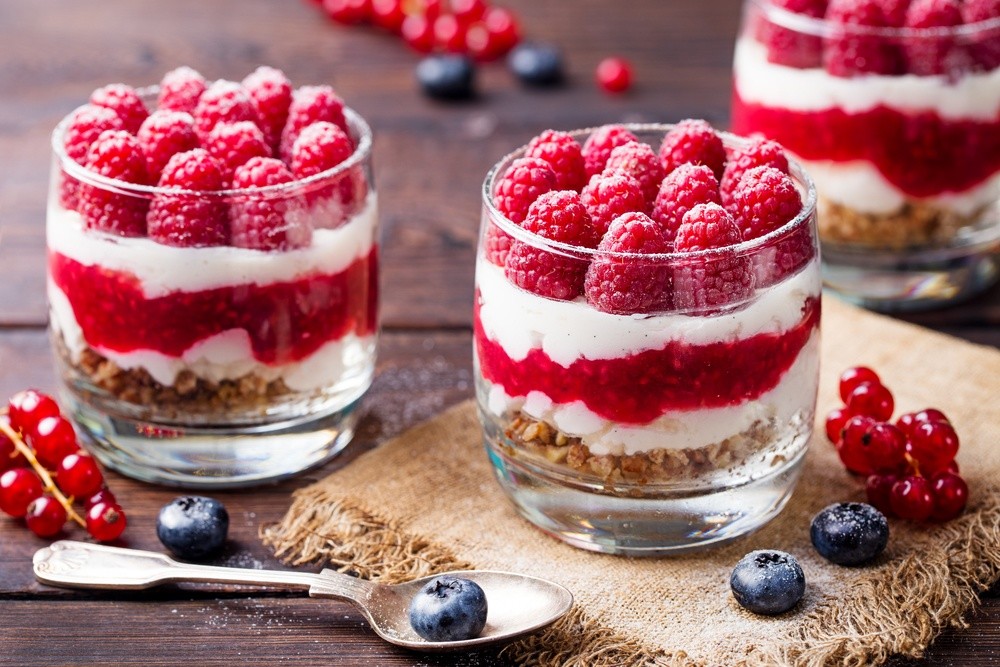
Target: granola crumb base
{"x": 912, "y": 225}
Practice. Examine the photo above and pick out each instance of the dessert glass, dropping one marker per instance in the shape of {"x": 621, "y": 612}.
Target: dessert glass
{"x": 652, "y": 433}
{"x": 906, "y": 160}
{"x": 217, "y": 366}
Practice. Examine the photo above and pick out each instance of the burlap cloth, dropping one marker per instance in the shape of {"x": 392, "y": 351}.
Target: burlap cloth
{"x": 426, "y": 502}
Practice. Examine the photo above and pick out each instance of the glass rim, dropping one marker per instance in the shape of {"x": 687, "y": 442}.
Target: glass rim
{"x": 821, "y": 27}
{"x": 355, "y": 122}
{"x": 744, "y": 248}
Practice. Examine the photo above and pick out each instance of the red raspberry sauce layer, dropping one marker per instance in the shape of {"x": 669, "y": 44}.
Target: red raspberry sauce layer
{"x": 921, "y": 154}
{"x": 640, "y": 388}
{"x": 286, "y": 321}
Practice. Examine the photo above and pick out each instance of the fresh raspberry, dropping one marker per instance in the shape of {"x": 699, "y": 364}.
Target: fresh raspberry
{"x": 223, "y": 102}
{"x": 563, "y": 154}
{"x": 759, "y": 152}
{"x": 984, "y": 44}
{"x": 692, "y": 141}
{"x": 116, "y": 154}
{"x": 684, "y": 188}
{"x": 598, "y": 146}
{"x": 310, "y": 104}
{"x": 849, "y": 53}
{"x": 271, "y": 92}
{"x": 124, "y": 101}
{"x": 232, "y": 144}
{"x": 928, "y": 56}
{"x": 180, "y": 90}
{"x": 85, "y": 125}
{"x": 266, "y": 221}
{"x": 525, "y": 179}
{"x": 894, "y": 12}
{"x": 608, "y": 196}
{"x": 187, "y": 220}
{"x": 793, "y": 48}
{"x": 640, "y": 162}
{"x": 765, "y": 199}
{"x": 713, "y": 280}
{"x": 162, "y": 135}
{"x": 557, "y": 216}
{"x": 626, "y": 285}
{"x": 322, "y": 146}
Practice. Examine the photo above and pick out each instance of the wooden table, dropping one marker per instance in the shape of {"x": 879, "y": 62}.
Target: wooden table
{"x": 430, "y": 159}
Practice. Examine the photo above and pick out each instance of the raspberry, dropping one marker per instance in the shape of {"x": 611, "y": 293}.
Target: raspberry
{"x": 525, "y": 179}
{"x": 759, "y": 152}
{"x": 266, "y": 222}
{"x": 692, "y": 141}
{"x": 162, "y": 135}
{"x": 563, "y": 154}
{"x": 847, "y": 53}
{"x": 180, "y": 90}
{"x": 683, "y": 189}
{"x": 627, "y": 285}
{"x": 557, "y": 216}
{"x": 223, "y": 102}
{"x": 764, "y": 200}
{"x": 187, "y": 220}
{"x": 609, "y": 196}
{"x": 271, "y": 92}
{"x": 124, "y": 101}
{"x": 310, "y": 104}
{"x": 116, "y": 154}
{"x": 793, "y": 48}
{"x": 927, "y": 56}
{"x": 232, "y": 144}
{"x": 85, "y": 125}
{"x": 598, "y": 146}
{"x": 714, "y": 280}
{"x": 320, "y": 147}
{"x": 984, "y": 44}
{"x": 640, "y": 162}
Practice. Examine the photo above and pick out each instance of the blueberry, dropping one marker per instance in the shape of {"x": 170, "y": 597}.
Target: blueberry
{"x": 446, "y": 76}
{"x": 768, "y": 582}
{"x": 193, "y": 527}
{"x": 849, "y": 533}
{"x": 448, "y": 609}
{"x": 536, "y": 64}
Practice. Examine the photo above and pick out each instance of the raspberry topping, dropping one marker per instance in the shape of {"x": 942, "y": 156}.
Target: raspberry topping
{"x": 265, "y": 222}
{"x": 713, "y": 280}
{"x": 319, "y": 147}
{"x": 985, "y": 48}
{"x": 116, "y": 154}
{"x": 793, "y": 47}
{"x": 684, "y": 188}
{"x": 759, "y": 152}
{"x": 626, "y": 285}
{"x": 598, "y": 146}
{"x": 124, "y": 101}
{"x": 608, "y": 196}
{"x": 310, "y": 104}
{"x": 764, "y": 200}
{"x": 271, "y": 92}
{"x": 848, "y": 53}
{"x": 558, "y": 216}
{"x": 927, "y": 56}
{"x": 232, "y": 144}
{"x": 692, "y": 141}
{"x": 525, "y": 179}
{"x": 85, "y": 125}
{"x": 162, "y": 135}
{"x": 563, "y": 154}
{"x": 180, "y": 90}
{"x": 189, "y": 220}
{"x": 640, "y": 162}
{"x": 223, "y": 102}
{"x": 894, "y": 11}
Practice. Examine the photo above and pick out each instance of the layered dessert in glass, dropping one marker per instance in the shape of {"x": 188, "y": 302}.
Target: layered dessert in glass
{"x": 893, "y": 106}
{"x": 647, "y": 333}
{"x": 212, "y": 263}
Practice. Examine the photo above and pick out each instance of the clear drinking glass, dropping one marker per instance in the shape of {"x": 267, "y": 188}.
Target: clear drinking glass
{"x": 899, "y": 128}
{"x": 658, "y": 432}
{"x": 216, "y": 366}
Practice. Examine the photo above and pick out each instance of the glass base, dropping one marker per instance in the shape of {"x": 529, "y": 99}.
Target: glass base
{"x": 657, "y": 523}
{"x": 212, "y": 457}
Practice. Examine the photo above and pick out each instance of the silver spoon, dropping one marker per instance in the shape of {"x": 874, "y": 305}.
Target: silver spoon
{"x": 518, "y": 604}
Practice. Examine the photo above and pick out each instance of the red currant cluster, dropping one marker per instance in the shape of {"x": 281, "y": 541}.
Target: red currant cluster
{"x": 470, "y": 27}
{"x": 910, "y": 465}
{"x": 44, "y": 471}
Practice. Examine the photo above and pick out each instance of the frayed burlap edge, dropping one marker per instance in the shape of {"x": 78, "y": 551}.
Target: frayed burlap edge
{"x": 899, "y": 611}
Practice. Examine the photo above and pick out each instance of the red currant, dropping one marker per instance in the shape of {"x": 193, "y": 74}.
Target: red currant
{"x": 911, "y": 420}
{"x": 418, "y": 31}
{"x": 102, "y": 496}
{"x": 429, "y": 8}
{"x": 348, "y": 11}
{"x": 494, "y": 36}
{"x": 388, "y": 14}
{"x": 852, "y": 377}
{"x": 886, "y": 447}
{"x": 871, "y": 399}
{"x": 934, "y": 445}
{"x": 79, "y": 476}
{"x": 853, "y": 444}
{"x": 911, "y": 498}
{"x": 18, "y": 487}
{"x": 449, "y": 34}
{"x": 10, "y": 457}
{"x": 45, "y": 516}
{"x": 878, "y": 487}
{"x": 467, "y": 11}
{"x": 951, "y": 494}
{"x": 53, "y": 439}
{"x": 835, "y": 421}
{"x": 614, "y": 75}
{"x": 105, "y": 521}
{"x": 28, "y": 407}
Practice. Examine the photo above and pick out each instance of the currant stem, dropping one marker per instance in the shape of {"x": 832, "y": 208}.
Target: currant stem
{"x": 47, "y": 480}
